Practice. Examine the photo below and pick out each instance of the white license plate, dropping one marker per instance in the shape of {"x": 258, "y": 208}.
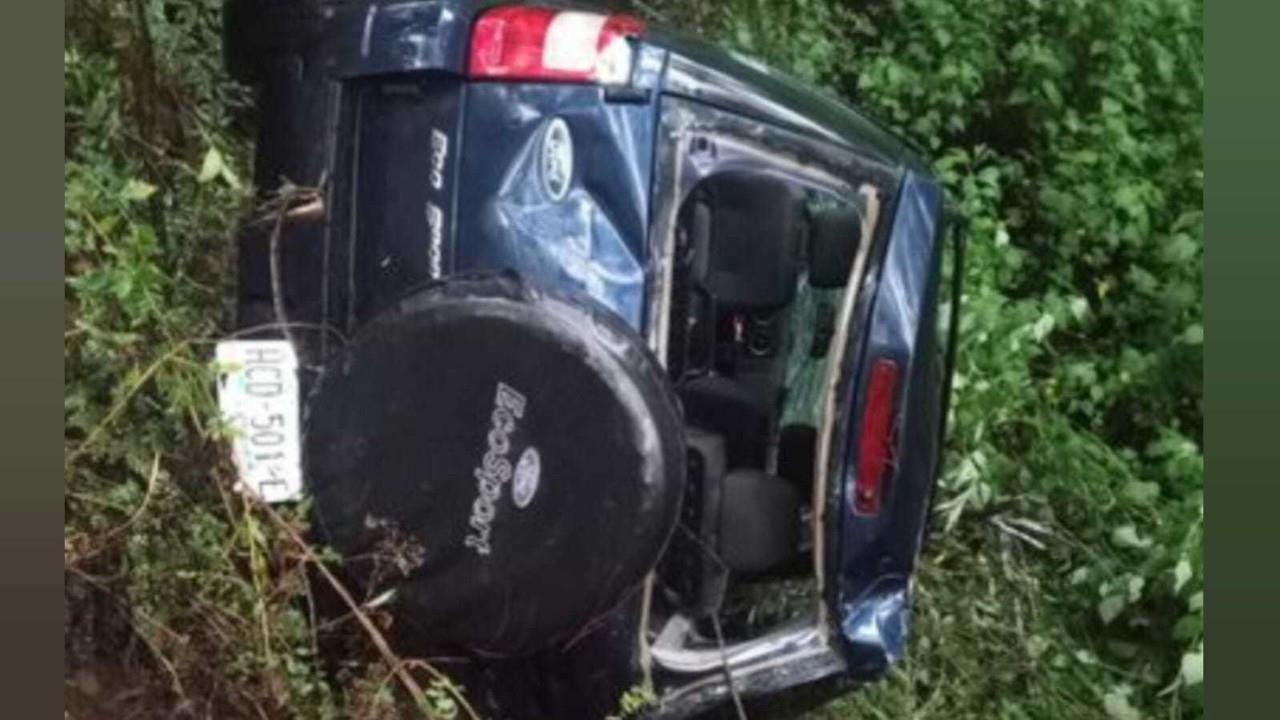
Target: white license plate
{"x": 258, "y": 396}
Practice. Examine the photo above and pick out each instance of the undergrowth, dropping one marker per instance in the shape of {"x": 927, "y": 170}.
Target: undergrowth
{"x": 1066, "y": 576}
{"x": 183, "y": 597}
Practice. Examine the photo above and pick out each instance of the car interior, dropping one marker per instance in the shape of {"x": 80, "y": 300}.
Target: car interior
{"x": 761, "y": 264}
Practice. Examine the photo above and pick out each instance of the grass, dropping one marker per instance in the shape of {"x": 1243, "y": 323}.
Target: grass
{"x": 1065, "y": 577}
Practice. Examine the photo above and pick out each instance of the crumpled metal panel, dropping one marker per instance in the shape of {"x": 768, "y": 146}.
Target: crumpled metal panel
{"x": 570, "y": 241}
{"x": 876, "y": 625}
{"x": 590, "y": 241}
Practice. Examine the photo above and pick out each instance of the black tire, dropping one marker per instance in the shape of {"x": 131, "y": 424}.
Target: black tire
{"x": 510, "y": 463}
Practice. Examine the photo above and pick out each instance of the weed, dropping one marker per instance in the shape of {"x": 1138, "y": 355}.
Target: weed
{"x": 183, "y": 596}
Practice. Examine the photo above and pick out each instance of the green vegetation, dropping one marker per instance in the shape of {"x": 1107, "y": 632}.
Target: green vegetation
{"x": 1066, "y": 574}
{"x": 181, "y": 594}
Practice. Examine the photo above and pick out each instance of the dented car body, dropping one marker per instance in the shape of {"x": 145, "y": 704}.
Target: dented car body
{"x": 775, "y": 254}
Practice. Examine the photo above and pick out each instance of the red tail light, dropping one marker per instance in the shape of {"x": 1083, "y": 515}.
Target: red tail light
{"x": 513, "y": 42}
{"x": 875, "y": 443}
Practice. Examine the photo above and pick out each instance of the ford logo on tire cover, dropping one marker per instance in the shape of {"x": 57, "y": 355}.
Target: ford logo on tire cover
{"x": 557, "y": 159}
{"x": 524, "y": 482}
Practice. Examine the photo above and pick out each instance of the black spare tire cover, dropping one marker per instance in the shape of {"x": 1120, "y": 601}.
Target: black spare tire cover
{"x": 509, "y": 462}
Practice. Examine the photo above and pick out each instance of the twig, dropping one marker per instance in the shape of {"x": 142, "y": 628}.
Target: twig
{"x": 715, "y": 623}
{"x": 447, "y": 683}
{"x": 313, "y": 208}
{"x": 724, "y": 663}
{"x": 121, "y": 404}
{"x": 178, "y": 688}
{"x": 375, "y": 636}
{"x": 106, "y": 537}
{"x": 277, "y": 279}
{"x": 258, "y": 574}
{"x": 1014, "y": 532}
{"x": 311, "y": 615}
{"x": 168, "y": 665}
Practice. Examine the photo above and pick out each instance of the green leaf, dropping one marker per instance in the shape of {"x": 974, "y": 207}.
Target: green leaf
{"x": 1181, "y": 575}
{"x": 230, "y": 177}
{"x": 215, "y": 166}
{"x": 1036, "y": 646}
{"x": 1181, "y": 248}
{"x": 1142, "y": 280}
{"x": 212, "y": 166}
{"x": 1193, "y": 668}
{"x": 1052, "y": 93}
{"x": 1188, "y": 628}
{"x": 138, "y": 190}
{"x": 1111, "y": 607}
{"x": 1194, "y": 335}
{"x": 1116, "y": 703}
{"x": 1143, "y": 493}
{"x": 1079, "y": 308}
{"x": 1126, "y": 536}
{"x": 1043, "y": 327}
{"x": 1136, "y": 584}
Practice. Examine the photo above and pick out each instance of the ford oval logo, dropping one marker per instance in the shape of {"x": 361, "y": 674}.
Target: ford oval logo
{"x": 557, "y": 159}
{"x": 524, "y": 481}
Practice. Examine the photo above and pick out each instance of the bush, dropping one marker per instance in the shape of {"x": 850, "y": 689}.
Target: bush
{"x": 180, "y": 594}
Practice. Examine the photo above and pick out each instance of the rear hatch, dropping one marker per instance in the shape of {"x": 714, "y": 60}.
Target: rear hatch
{"x": 885, "y": 471}
{"x": 438, "y": 155}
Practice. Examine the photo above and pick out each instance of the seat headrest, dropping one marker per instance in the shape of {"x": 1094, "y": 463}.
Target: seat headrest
{"x": 748, "y": 233}
{"x": 835, "y": 234}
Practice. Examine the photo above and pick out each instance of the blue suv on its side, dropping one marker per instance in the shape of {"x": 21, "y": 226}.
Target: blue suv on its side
{"x": 625, "y": 360}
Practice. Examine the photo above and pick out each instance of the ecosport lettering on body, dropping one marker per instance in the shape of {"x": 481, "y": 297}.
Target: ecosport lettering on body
{"x": 435, "y": 215}
{"x": 495, "y": 470}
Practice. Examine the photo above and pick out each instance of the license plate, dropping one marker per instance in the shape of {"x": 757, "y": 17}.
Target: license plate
{"x": 258, "y": 396}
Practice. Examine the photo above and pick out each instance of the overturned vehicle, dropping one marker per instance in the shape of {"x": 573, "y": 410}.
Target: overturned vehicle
{"x": 621, "y": 361}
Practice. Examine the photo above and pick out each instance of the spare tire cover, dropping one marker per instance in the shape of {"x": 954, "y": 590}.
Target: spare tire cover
{"x": 511, "y": 463}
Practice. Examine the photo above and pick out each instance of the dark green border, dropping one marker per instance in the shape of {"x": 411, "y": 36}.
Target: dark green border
{"x": 30, "y": 293}
{"x": 1242, "y": 122}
